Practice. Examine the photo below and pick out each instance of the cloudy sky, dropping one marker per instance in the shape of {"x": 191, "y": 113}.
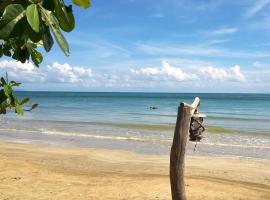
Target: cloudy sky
{"x": 159, "y": 46}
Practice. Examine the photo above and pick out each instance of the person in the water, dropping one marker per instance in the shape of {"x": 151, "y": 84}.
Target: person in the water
{"x": 153, "y": 107}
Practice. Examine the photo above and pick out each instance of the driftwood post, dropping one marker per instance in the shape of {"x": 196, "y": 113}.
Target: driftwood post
{"x": 177, "y": 158}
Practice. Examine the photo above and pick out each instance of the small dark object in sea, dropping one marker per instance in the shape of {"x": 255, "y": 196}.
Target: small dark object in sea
{"x": 153, "y": 107}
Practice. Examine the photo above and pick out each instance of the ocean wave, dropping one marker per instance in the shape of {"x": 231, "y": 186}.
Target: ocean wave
{"x": 237, "y": 117}
{"x": 147, "y": 140}
{"x": 236, "y": 145}
{"x": 153, "y": 127}
{"x": 75, "y": 134}
{"x": 17, "y": 130}
{"x": 216, "y": 129}
{"x": 164, "y": 141}
{"x": 108, "y": 137}
{"x": 37, "y": 124}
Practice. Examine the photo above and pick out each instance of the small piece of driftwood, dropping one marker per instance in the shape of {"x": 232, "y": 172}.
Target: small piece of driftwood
{"x": 178, "y": 149}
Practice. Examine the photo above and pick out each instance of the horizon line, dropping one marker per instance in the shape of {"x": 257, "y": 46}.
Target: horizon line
{"x": 61, "y": 91}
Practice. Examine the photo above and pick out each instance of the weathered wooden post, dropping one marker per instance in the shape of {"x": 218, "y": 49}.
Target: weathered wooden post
{"x": 177, "y": 158}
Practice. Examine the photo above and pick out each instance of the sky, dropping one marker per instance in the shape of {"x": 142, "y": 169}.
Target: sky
{"x": 159, "y": 46}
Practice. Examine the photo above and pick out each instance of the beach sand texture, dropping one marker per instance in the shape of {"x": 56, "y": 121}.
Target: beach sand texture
{"x": 42, "y": 172}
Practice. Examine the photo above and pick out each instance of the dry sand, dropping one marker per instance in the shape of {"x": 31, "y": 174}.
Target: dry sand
{"x": 40, "y": 172}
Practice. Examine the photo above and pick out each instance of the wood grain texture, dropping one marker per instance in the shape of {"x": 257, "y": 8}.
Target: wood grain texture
{"x": 178, "y": 149}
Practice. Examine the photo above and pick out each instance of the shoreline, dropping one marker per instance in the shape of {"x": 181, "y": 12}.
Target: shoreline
{"x": 210, "y": 129}
{"x": 213, "y": 145}
{"x": 190, "y": 147}
{"x": 46, "y": 172}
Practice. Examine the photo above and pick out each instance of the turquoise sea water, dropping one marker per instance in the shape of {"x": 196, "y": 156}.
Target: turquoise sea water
{"x": 237, "y": 124}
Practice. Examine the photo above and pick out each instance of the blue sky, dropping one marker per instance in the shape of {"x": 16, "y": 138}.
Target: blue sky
{"x": 160, "y": 46}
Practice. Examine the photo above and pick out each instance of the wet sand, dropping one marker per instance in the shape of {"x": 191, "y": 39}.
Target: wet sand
{"x": 45, "y": 172}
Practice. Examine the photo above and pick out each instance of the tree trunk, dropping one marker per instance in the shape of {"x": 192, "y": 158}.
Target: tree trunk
{"x": 177, "y": 158}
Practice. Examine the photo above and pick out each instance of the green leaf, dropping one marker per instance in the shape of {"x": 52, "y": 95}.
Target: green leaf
{"x": 31, "y": 46}
{"x": 18, "y": 109}
{"x": 33, "y": 35}
{"x": 7, "y": 52}
{"x": 21, "y": 55}
{"x": 8, "y": 99}
{"x": 48, "y": 17}
{"x": 82, "y": 3}
{"x": 51, "y": 21}
{"x": 5, "y": 3}
{"x": 7, "y": 90}
{"x": 11, "y": 100}
{"x": 36, "y": 57}
{"x": 3, "y": 81}
{"x": 3, "y": 97}
{"x": 12, "y": 14}
{"x": 13, "y": 83}
{"x": 3, "y": 109}
{"x": 65, "y": 16}
{"x": 1, "y": 50}
{"x": 19, "y": 29}
{"x": 33, "y": 17}
{"x": 47, "y": 39}
{"x": 24, "y": 101}
{"x": 60, "y": 39}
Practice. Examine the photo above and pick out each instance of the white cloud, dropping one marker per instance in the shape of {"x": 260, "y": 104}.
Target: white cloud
{"x": 165, "y": 72}
{"x": 213, "y": 73}
{"x": 200, "y": 73}
{"x": 222, "y": 31}
{"x": 158, "y": 15}
{"x": 163, "y": 49}
{"x": 26, "y": 72}
{"x": 257, "y": 7}
{"x": 260, "y": 65}
{"x": 55, "y": 73}
{"x": 195, "y": 75}
{"x": 66, "y": 73}
{"x": 216, "y": 41}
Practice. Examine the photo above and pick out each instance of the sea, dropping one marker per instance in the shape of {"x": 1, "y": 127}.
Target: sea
{"x": 236, "y": 125}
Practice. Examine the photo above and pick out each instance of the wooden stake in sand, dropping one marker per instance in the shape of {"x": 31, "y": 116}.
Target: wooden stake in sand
{"x": 177, "y": 158}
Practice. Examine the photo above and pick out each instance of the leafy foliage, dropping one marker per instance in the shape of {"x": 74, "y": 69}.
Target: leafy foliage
{"x": 25, "y": 25}
{"x": 8, "y": 99}
{"x": 24, "y": 22}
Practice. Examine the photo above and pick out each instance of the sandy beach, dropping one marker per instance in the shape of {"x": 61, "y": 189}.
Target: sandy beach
{"x": 44, "y": 172}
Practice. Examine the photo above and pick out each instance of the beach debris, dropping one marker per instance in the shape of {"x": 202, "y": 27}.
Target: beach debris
{"x": 16, "y": 178}
{"x": 196, "y": 128}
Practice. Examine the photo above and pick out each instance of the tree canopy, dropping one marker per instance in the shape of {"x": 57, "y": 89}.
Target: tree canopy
{"x": 25, "y": 25}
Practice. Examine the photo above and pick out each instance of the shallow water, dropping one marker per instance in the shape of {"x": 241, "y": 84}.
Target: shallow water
{"x": 237, "y": 124}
